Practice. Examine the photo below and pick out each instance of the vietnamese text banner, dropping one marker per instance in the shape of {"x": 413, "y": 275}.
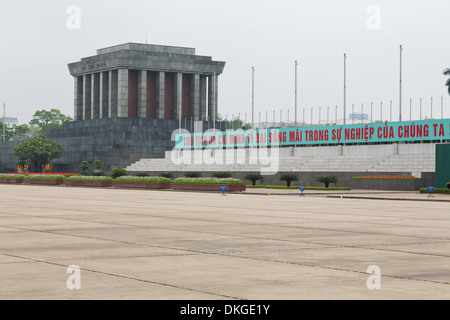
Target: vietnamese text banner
{"x": 414, "y": 131}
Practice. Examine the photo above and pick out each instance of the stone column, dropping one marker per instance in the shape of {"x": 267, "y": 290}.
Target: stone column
{"x": 113, "y": 94}
{"x": 104, "y": 95}
{"x": 78, "y": 105}
{"x": 87, "y": 87}
{"x": 160, "y": 85}
{"x": 95, "y": 96}
{"x": 122, "y": 95}
{"x": 212, "y": 97}
{"x": 195, "y": 97}
{"x": 178, "y": 96}
{"x": 203, "y": 89}
{"x": 142, "y": 94}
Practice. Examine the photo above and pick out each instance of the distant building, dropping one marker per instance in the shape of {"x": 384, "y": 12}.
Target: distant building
{"x": 359, "y": 116}
{"x": 10, "y": 121}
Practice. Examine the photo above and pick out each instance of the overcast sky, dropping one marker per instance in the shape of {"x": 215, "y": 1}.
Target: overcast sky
{"x": 37, "y": 44}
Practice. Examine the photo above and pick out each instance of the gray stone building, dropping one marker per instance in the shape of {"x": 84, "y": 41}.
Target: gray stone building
{"x": 128, "y": 100}
{"x": 146, "y": 81}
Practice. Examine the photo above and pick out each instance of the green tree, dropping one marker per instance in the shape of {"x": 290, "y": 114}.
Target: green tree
{"x": 234, "y": 123}
{"x": 21, "y": 132}
{"x": 327, "y": 180}
{"x": 253, "y": 177}
{"x": 38, "y": 152}
{"x": 222, "y": 175}
{"x": 192, "y": 174}
{"x": 84, "y": 166}
{"x": 289, "y": 177}
{"x": 98, "y": 165}
{"x": 16, "y": 133}
{"x": 447, "y": 73}
{"x": 46, "y": 120}
{"x": 8, "y": 132}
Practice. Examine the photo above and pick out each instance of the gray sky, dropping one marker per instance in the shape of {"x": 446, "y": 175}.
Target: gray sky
{"x": 36, "y": 46}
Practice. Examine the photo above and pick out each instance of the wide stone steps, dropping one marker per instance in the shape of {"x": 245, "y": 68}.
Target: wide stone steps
{"x": 380, "y": 163}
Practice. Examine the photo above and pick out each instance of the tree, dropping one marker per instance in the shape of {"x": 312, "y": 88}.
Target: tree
{"x": 47, "y": 120}
{"x": 234, "y": 123}
{"x": 289, "y": 177}
{"x": 221, "y": 175}
{"x": 447, "y": 73}
{"x": 84, "y": 166}
{"x": 327, "y": 180}
{"x": 16, "y": 133}
{"x": 38, "y": 152}
{"x": 193, "y": 174}
{"x": 253, "y": 177}
{"x": 98, "y": 165}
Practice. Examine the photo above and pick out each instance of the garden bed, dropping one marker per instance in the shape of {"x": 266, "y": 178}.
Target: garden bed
{"x": 11, "y": 180}
{"x": 139, "y": 184}
{"x": 87, "y": 183}
{"x": 206, "y": 187}
{"x": 44, "y": 181}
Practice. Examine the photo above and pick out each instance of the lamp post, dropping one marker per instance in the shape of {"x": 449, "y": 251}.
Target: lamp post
{"x": 320, "y": 111}
{"x": 410, "y": 109}
{"x": 335, "y": 115}
{"x": 328, "y": 114}
{"x": 371, "y": 112}
{"x": 390, "y": 111}
{"x": 400, "y": 93}
{"x": 420, "y": 111}
{"x": 253, "y": 97}
{"x": 296, "y": 64}
{"x": 431, "y": 117}
{"x": 353, "y": 113}
{"x": 345, "y": 84}
{"x": 4, "y": 122}
{"x": 381, "y": 111}
{"x": 362, "y": 112}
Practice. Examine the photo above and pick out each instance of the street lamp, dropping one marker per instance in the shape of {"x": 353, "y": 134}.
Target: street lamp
{"x": 400, "y": 94}
{"x": 345, "y": 84}
{"x": 253, "y": 97}
{"x": 4, "y": 122}
{"x": 296, "y": 64}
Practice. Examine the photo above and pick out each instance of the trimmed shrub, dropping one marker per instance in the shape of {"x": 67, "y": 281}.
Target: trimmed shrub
{"x": 193, "y": 174}
{"x": 115, "y": 173}
{"x": 208, "y": 180}
{"x": 142, "y": 179}
{"x": 253, "y": 177}
{"x": 142, "y": 174}
{"x": 167, "y": 175}
{"x": 289, "y": 177}
{"x": 221, "y": 175}
{"x": 327, "y": 180}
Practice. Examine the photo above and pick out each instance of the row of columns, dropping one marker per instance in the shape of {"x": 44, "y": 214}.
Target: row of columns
{"x": 145, "y": 94}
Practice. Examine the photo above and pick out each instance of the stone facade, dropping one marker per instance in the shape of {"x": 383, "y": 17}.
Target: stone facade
{"x": 117, "y": 142}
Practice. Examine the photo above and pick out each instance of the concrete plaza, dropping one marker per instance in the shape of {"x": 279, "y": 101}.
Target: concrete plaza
{"x": 143, "y": 244}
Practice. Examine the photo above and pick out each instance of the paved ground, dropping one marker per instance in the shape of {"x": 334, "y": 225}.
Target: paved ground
{"x": 140, "y": 244}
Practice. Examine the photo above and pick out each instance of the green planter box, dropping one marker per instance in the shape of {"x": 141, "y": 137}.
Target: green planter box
{"x": 206, "y": 187}
{"x": 141, "y": 185}
{"x": 11, "y": 180}
{"x": 87, "y": 183}
{"x": 44, "y": 181}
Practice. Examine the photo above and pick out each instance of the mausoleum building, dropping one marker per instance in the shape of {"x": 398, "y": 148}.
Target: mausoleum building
{"x": 146, "y": 81}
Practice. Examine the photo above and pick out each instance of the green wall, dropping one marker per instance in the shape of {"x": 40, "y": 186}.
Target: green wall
{"x": 442, "y": 165}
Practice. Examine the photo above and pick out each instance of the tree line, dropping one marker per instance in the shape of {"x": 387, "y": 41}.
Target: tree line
{"x": 43, "y": 120}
